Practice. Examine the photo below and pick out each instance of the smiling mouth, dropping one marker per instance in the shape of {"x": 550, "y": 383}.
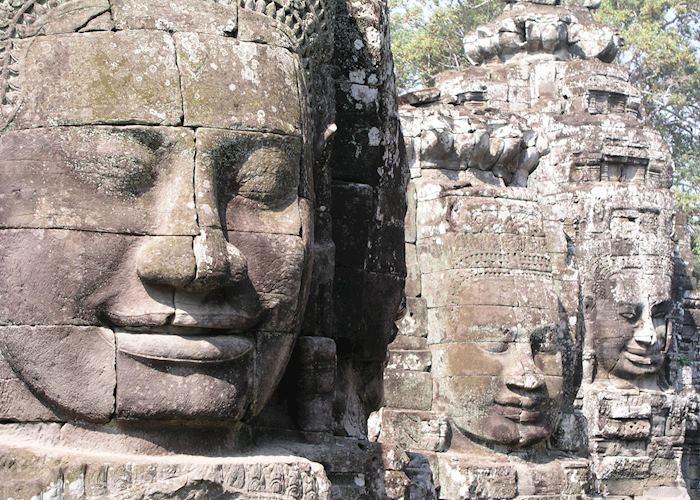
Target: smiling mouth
{"x": 648, "y": 360}
{"x": 520, "y": 415}
{"x": 183, "y": 349}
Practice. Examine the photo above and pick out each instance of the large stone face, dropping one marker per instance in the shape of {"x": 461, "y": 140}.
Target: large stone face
{"x": 166, "y": 218}
{"x": 159, "y": 233}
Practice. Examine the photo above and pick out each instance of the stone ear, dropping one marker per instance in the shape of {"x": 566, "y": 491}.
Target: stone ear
{"x": 588, "y": 304}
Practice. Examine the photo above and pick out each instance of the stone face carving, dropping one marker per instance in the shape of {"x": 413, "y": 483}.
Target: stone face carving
{"x": 627, "y": 275}
{"x": 454, "y": 138}
{"x": 527, "y": 30}
{"x": 493, "y": 315}
{"x": 210, "y": 238}
{"x": 167, "y": 233}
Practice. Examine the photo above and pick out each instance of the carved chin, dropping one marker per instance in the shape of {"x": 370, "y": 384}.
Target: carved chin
{"x": 629, "y": 367}
{"x": 226, "y": 379}
{"x": 499, "y": 430}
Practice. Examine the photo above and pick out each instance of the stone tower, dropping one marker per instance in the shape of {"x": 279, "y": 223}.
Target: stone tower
{"x": 537, "y": 161}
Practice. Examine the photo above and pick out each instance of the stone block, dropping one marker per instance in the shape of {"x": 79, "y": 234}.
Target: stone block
{"x": 417, "y": 361}
{"x": 413, "y": 274}
{"x": 102, "y": 22}
{"x": 278, "y": 263}
{"x": 410, "y": 220}
{"x": 72, "y": 475}
{"x": 184, "y": 378}
{"x": 356, "y": 139}
{"x": 353, "y": 206}
{"x": 664, "y": 493}
{"x": 70, "y": 368}
{"x": 238, "y": 85}
{"x": 216, "y": 18}
{"x": 314, "y": 367}
{"x": 17, "y": 403}
{"x": 381, "y": 301}
{"x": 624, "y": 468}
{"x": 396, "y": 484}
{"x": 385, "y": 249}
{"x": 460, "y": 478}
{"x": 355, "y": 96}
{"x": 632, "y": 429}
{"x": 103, "y": 179}
{"x": 75, "y": 16}
{"x": 414, "y": 322}
{"x": 259, "y": 28}
{"x": 409, "y": 390}
{"x": 409, "y": 343}
{"x": 413, "y": 430}
{"x": 459, "y": 287}
{"x": 99, "y": 78}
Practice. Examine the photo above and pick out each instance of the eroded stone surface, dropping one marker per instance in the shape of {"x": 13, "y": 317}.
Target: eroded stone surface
{"x": 71, "y": 475}
{"x": 215, "y": 17}
{"x": 167, "y": 173}
{"x": 98, "y": 78}
{"x": 593, "y": 247}
{"x": 99, "y": 179}
{"x": 223, "y": 88}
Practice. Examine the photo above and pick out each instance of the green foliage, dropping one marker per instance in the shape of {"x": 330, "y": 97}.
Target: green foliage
{"x": 427, "y": 36}
{"x": 662, "y": 50}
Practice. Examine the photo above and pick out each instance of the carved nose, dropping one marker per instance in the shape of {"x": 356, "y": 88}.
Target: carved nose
{"x": 218, "y": 262}
{"x": 204, "y": 262}
{"x": 527, "y": 380}
{"x": 645, "y": 336}
{"x": 522, "y": 374}
{"x": 167, "y": 260}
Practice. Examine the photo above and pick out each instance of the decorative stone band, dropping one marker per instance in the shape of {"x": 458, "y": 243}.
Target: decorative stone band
{"x": 450, "y": 135}
{"x": 658, "y": 270}
{"x": 561, "y": 35}
{"x": 507, "y": 263}
{"x": 306, "y": 21}
{"x": 609, "y": 218}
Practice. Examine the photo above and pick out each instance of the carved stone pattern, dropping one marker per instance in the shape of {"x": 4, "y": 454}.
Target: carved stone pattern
{"x": 305, "y": 20}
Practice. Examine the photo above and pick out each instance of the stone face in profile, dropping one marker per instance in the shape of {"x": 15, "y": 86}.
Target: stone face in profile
{"x": 153, "y": 233}
{"x": 627, "y": 277}
{"x": 629, "y": 325}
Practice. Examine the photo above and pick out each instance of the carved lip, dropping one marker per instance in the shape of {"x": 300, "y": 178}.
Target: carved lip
{"x": 195, "y": 349}
{"x": 518, "y": 414}
{"x": 647, "y": 360}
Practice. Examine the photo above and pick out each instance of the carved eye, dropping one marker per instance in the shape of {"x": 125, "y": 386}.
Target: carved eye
{"x": 661, "y": 310}
{"x": 544, "y": 340}
{"x": 500, "y": 343}
{"x": 630, "y": 312}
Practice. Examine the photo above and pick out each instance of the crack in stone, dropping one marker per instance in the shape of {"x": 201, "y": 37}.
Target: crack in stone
{"x": 179, "y": 83}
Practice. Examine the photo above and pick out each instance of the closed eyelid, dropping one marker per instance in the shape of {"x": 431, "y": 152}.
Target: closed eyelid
{"x": 631, "y": 309}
